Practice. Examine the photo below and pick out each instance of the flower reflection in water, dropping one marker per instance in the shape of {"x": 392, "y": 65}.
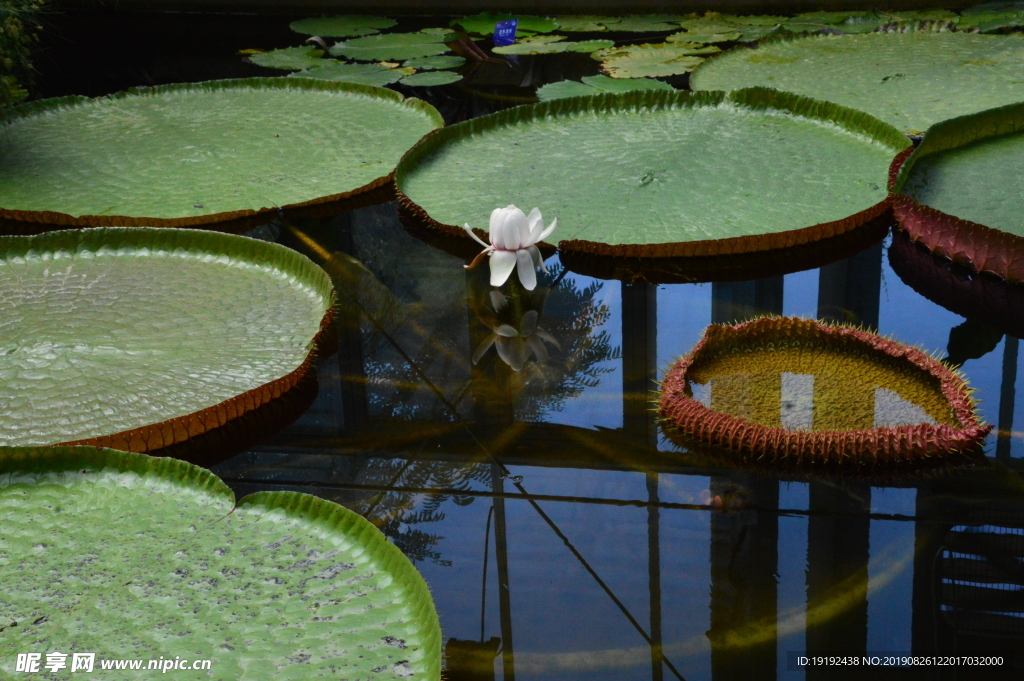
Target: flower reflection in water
{"x": 514, "y": 237}
{"x": 515, "y": 337}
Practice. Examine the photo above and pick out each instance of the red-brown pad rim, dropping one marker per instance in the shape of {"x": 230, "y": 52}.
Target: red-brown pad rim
{"x": 27, "y": 222}
{"x": 957, "y": 288}
{"x": 879, "y": 445}
{"x": 752, "y": 98}
{"x": 177, "y": 430}
{"x": 975, "y": 245}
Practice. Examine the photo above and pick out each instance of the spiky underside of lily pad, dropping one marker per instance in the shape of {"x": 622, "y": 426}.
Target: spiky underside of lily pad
{"x": 162, "y": 335}
{"x": 111, "y": 552}
{"x": 968, "y": 166}
{"x": 554, "y": 121}
{"x": 886, "y": 444}
{"x": 986, "y": 299}
{"x": 201, "y": 154}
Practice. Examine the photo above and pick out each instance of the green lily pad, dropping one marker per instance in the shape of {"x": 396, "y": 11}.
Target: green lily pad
{"x": 970, "y": 168}
{"x": 346, "y": 26}
{"x": 718, "y": 25}
{"x": 290, "y": 58}
{"x": 367, "y": 74}
{"x": 822, "y": 17}
{"x": 587, "y": 24}
{"x": 941, "y": 15}
{"x": 130, "y": 556}
{"x": 909, "y": 80}
{"x": 483, "y": 24}
{"x": 434, "y": 63}
{"x": 177, "y": 328}
{"x": 593, "y": 85}
{"x": 552, "y": 45}
{"x": 754, "y": 20}
{"x": 660, "y": 173}
{"x": 392, "y": 46}
{"x": 694, "y": 37}
{"x": 431, "y": 79}
{"x": 641, "y": 61}
{"x": 181, "y": 155}
{"x": 648, "y": 23}
{"x": 991, "y": 17}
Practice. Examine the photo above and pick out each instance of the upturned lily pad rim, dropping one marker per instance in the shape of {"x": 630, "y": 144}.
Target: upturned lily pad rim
{"x": 177, "y": 430}
{"x": 980, "y": 247}
{"x": 755, "y": 98}
{"x": 31, "y": 221}
{"x": 886, "y": 444}
{"x": 325, "y": 516}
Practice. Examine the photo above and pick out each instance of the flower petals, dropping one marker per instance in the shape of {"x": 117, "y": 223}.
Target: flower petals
{"x": 546, "y": 232}
{"x": 502, "y": 263}
{"x": 470, "y": 232}
{"x": 525, "y": 267}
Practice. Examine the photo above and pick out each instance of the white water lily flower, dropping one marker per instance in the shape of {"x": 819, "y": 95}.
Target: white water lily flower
{"x": 514, "y": 237}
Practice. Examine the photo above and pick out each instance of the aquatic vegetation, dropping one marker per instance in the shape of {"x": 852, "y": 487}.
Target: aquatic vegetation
{"x": 611, "y": 168}
{"x": 547, "y": 44}
{"x": 593, "y": 85}
{"x": 380, "y": 74}
{"x": 646, "y": 23}
{"x": 197, "y": 327}
{"x": 393, "y": 46}
{"x": 290, "y": 58}
{"x": 513, "y": 243}
{"x": 713, "y": 23}
{"x": 344, "y": 26}
{"x": 284, "y": 582}
{"x": 431, "y": 79}
{"x": 18, "y": 30}
{"x": 586, "y": 23}
{"x": 483, "y": 24}
{"x": 992, "y": 17}
{"x": 662, "y": 59}
{"x": 961, "y": 192}
{"x": 857, "y": 398}
{"x": 434, "y": 63}
{"x": 909, "y": 80}
{"x": 223, "y": 151}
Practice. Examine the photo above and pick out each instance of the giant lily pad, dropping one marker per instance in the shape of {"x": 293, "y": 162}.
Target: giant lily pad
{"x": 433, "y": 63}
{"x": 141, "y": 338}
{"x": 796, "y": 389}
{"x": 204, "y": 153}
{"x": 990, "y": 17}
{"x": 392, "y": 46}
{"x": 720, "y": 24}
{"x": 909, "y": 80}
{"x": 130, "y": 556}
{"x": 643, "y": 61}
{"x": 963, "y": 191}
{"x": 647, "y": 23}
{"x": 660, "y": 174}
{"x": 349, "y": 26}
{"x": 584, "y": 23}
{"x": 431, "y": 79}
{"x": 553, "y": 44}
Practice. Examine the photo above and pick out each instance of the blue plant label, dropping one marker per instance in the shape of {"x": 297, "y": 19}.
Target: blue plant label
{"x": 505, "y": 32}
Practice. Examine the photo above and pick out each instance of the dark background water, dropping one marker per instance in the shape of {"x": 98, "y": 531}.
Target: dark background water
{"x": 544, "y": 507}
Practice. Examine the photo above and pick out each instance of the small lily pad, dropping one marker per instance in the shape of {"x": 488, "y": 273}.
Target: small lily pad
{"x": 753, "y": 20}
{"x": 593, "y": 85}
{"x": 290, "y": 58}
{"x": 392, "y": 46}
{"x": 434, "y": 63}
{"x": 718, "y": 25}
{"x": 648, "y": 23}
{"x": 346, "y": 26}
{"x": 586, "y": 24}
{"x": 553, "y": 44}
{"x": 821, "y": 17}
{"x": 431, "y": 78}
{"x": 694, "y": 37}
{"x": 483, "y": 24}
{"x": 108, "y": 552}
{"x": 367, "y": 74}
{"x": 664, "y": 59}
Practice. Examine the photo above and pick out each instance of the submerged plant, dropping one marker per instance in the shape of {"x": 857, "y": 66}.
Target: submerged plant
{"x": 514, "y": 237}
{"x": 17, "y": 34}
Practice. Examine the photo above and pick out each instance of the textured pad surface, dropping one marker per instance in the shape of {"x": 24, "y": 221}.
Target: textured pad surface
{"x": 125, "y": 558}
{"x": 197, "y": 150}
{"x": 104, "y": 339}
{"x": 909, "y": 80}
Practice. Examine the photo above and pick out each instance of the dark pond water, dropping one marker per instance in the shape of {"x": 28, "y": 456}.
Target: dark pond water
{"x": 562, "y": 535}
